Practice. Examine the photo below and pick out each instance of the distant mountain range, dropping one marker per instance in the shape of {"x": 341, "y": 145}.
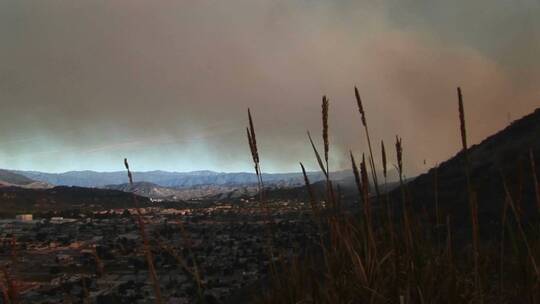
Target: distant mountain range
{"x": 175, "y": 186}
{"x": 502, "y": 155}
{"x": 178, "y": 180}
{"x": 31, "y": 190}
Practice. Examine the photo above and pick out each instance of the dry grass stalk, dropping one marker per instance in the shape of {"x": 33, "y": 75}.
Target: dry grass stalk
{"x": 86, "y": 293}
{"x": 253, "y": 153}
{"x": 463, "y": 127}
{"x": 409, "y": 239}
{"x": 357, "y": 177}
{"x": 182, "y": 261}
{"x": 436, "y": 195}
{"x": 399, "y": 158}
{"x": 399, "y": 169}
{"x": 373, "y": 173}
{"x": 535, "y": 179}
{"x": 387, "y": 206}
{"x": 68, "y": 298}
{"x": 365, "y": 188}
{"x": 324, "y": 165}
{"x": 438, "y": 223}
{"x": 360, "y": 106}
{"x": 146, "y": 243}
{"x": 502, "y": 244}
{"x": 362, "y": 184}
{"x": 311, "y": 193}
{"x": 315, "y": 209}
{"x": 359, "y": 180}
{"x": 324, "y": 106}
{"x": 317, "y": 155}
{"x": 512, "y": 205}
{"x": 449, "y": 249}
{"x": 99, "y": 262}
{"x": 5, "y": 293}
{"x": 12, "y": 290}
{"x": 9, "y": 287}
{"x": 518, "y": 198}
{"x": 14, "y": 253}
{"x": 408, "y": 257}
{"x": 339, "y": 196}
{"x": 472, "y": 195}
{"x": 364, "y": 123}
{"x": 384, "y": 163}
{"x": 195, "y": 273}
{"x": 367, "y": 203}
{"x": 252, "y": 138}
{"x": 331, "y": 197}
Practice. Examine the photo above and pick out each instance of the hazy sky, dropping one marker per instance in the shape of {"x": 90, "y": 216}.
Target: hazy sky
{"x": 167, "y": 83}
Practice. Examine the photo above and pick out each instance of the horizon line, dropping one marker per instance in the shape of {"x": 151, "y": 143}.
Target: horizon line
{"x": 173, "y": 172}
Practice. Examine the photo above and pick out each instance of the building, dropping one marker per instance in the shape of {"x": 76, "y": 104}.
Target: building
{"x": 24, "y": 217}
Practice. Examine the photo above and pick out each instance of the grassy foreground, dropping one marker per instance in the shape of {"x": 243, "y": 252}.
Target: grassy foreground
{"x": 390, "y": 253}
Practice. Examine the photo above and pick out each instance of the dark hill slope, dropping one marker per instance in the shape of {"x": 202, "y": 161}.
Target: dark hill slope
{"x": 505, "y": 153}
{"x": 14, "y": 199}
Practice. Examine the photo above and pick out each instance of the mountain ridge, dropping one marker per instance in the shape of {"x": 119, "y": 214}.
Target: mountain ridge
{"x": 170, "y": 179}
{"x": 502, "y": 157}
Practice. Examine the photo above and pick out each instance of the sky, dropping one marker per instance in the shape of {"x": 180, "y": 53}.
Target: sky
{"x": 167, "y": 84}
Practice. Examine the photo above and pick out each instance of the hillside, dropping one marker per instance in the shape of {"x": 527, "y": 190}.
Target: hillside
{"x": 505, "y": 153}
{"x": 9, "y": 179}
{"x": 15, "y": 199}
{"x": 14, "y": 178}
{"x": 202, "y": 192}
{"x": 146, "y": 189}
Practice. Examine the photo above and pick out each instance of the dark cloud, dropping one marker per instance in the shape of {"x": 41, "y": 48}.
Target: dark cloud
{"x": 167, "y": 83}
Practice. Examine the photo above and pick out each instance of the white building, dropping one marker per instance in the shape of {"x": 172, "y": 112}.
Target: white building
{"x": 24, "y": 217}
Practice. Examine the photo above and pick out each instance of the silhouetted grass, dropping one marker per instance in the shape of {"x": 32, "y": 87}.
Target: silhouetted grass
{"x": 373, "y": 257}
{"x": 146, "y": 243}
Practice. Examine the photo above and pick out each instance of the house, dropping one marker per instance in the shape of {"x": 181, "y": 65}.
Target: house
{"x": 24, "y": 217}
